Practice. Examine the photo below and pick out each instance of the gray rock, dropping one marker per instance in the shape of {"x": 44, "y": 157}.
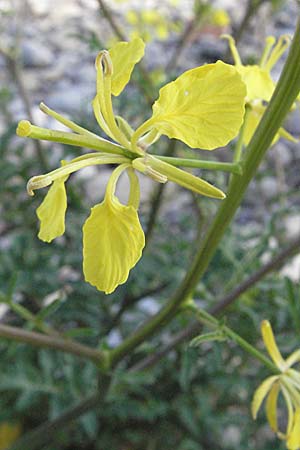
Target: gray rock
{"x": 71, "y": 98}
{"x": 231, "y": 436}
{"x": 292, "y": 269}
{"x": 269, "y": 186}
{"x": 34, "y": 54}
{"x": 149, "y": 305}
{"x": 293, "y": 122}
{"x": 292, "y": 225}
{"x": 282, "y": 153}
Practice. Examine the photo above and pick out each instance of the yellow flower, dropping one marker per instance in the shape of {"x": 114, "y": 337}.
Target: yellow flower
{"x": 203, "y": 107}
{"x": 259, "y": 83}
{"x": 9, "y": 433}
{"x": 52, "y": 210}
{"x": 148, "y": 23}
{"x": 220, "y": 17}
{"x": 287, "y": 382}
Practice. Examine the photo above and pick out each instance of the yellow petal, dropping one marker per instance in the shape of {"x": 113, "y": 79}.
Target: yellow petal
{"x": 258, "y": 82}
{"x": 286, "y": 135}
{"x": 204, "y": 107}
{"x": 162, "y": 31}
{"x": 293, "y": 441}
{"x": 52, "y": 210}
{"x": 290, "y": 409}
{"x": 124, "y": 56}
{"x": 113, "y": 238}
{"x": 113, "y": 241}
{"x": 132, "y": 17}
{"x": 151, "y": 17}
{"x": 271, "y": 345}
{"x": 293, "y": 358}
{"x": 253, "y": 118}
{"x": 271, "y": 406}
{"x": 260, "y": 394}
{"x": 220, "y": 18}
{"x": 233, "y": 49}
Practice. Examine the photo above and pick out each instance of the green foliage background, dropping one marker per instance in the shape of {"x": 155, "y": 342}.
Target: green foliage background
{"x": 192, "y": 399}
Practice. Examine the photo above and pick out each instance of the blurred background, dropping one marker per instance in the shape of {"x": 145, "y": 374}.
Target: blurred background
{"x": 192, "y": 398}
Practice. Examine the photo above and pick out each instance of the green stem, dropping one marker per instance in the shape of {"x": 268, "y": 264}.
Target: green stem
{"x": 200, "y": 164}
{"x": 207, "y": 319}
{"x": 239, "y": 145}
{"x": 101, "y": 358}
{"x": 283, "y": 98}
{"x": 250, "y": 349}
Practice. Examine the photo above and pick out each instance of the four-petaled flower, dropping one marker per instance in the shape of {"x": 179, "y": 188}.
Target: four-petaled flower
{"x": 204, "y": 108}
{"x": 287, "y": 382}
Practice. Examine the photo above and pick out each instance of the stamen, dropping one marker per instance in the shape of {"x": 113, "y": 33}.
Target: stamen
{"x": 233, "y": 49}
{"x": 68, "y": 123}
{"x": 281, "y": 46}
{"x": 270, "y": 41}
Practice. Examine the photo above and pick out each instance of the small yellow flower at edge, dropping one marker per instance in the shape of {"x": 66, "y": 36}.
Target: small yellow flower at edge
{"x": 287, "y": 382}
{"x": 9, "y": 433}
{"x": 259, "y": 83}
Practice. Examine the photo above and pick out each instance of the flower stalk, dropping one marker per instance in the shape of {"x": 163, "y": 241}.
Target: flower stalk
{"x": 207, "y": 319}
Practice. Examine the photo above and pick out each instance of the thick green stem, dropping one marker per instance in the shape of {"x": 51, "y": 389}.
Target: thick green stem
{"x": 285, "y": 94}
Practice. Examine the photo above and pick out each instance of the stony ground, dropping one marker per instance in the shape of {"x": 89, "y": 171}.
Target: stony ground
{"x": 52, "y": 37}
